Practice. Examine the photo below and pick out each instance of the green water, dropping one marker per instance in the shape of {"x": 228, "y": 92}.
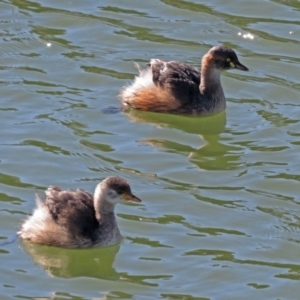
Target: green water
{"x": 220, "y": 211}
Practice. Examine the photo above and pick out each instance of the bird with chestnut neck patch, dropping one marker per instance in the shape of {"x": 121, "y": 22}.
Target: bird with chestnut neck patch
{"x": 175, "y": 87}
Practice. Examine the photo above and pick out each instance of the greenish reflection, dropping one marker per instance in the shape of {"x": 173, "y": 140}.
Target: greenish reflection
{"x": 290, "y": 3}
{"x": 28, "y": 5}
{"x": 182, "y": 297}
{"x": 276, "y": 119}
{"x": 166, "y": 219}
{"x": 12, "y": 200}
{"x": 70, "y": 263}
{"x": 119, "y": 295}
{"x": 189, "y": 5}
{"x": 97, "y": 146}
{"x": 293, "y": 270}
{"x": 215, "y": 154}
{"x": 259, "y": 286}
{"x": 80, "y": 129}
{"x": 139, "y": 33}
{"x": 45, "y": 147}
{"x": 95, "y": 263}
{"x": 124, "y": 11}
{"x": 107, "y": 72}
{"x": 191, "y": 124}
{"x": 223, "y": 203}
{"x": 14, "y": 181}
{"x": 240, "y": 21}
{"x": 148, "y": 242}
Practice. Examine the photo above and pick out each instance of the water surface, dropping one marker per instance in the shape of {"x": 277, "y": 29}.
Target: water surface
{"x": 220, "y": 211}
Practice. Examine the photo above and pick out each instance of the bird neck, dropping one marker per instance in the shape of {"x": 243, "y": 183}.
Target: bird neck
{"x": 210, "y": 79}
{"x": 103, "y": 208}
{"x": 211, "y": 91}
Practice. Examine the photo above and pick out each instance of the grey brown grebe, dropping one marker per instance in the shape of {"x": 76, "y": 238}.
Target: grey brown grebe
{"x": 78, "y": 219}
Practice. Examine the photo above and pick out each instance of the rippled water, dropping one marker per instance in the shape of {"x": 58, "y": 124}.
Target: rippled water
{"x": 220, "y": 211}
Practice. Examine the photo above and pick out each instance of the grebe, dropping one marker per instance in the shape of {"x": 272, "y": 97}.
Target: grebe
{"x": 175, "y": 87}
{"x": 78, "y": 219}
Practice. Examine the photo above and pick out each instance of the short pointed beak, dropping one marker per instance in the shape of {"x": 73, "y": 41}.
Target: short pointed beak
{"x": 131, "y": 197}
{"x": 239, "y": 66}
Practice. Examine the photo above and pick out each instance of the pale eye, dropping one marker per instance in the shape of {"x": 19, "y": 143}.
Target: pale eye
{"x": 228, "y": 59}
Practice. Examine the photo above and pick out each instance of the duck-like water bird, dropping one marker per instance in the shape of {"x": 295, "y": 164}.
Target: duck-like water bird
{"x": 175, "y": 87}
{"x": 78, "y": 219}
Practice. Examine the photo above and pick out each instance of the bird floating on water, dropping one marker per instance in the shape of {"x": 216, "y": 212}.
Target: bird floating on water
{"x": 175, "y": 87}
{"x": 78, "y": 219}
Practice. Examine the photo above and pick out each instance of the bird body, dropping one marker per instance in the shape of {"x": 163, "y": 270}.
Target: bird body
{"x": 78, "y": 219}
{"x": 176, "y": 87}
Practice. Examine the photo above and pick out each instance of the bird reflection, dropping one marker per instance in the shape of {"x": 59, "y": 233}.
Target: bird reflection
{"x": 94, "y": 263}
{"x": 71, "y": 263}
{"x": 196, "y": 125}
{"x": 214, "y": 154}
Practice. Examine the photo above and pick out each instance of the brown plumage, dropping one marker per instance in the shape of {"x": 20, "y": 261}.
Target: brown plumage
{"x": 175, "y": 87}
{"x": 78, "y": 219}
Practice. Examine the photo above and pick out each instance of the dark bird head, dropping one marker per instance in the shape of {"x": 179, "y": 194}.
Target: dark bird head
{"x": 222, "y": 58}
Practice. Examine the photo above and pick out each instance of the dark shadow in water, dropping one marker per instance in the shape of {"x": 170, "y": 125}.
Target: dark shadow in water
{"x": 111, "y": 110}
{"x": 214, "y": 154}
{"x": 71, "y": 263}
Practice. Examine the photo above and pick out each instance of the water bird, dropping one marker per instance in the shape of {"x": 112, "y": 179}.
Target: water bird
{"x": 78, "y": 219}
{"x": 175, "y": 87}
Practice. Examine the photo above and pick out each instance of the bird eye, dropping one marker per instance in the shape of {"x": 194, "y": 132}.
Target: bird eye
{"x": 228, "y": 59}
